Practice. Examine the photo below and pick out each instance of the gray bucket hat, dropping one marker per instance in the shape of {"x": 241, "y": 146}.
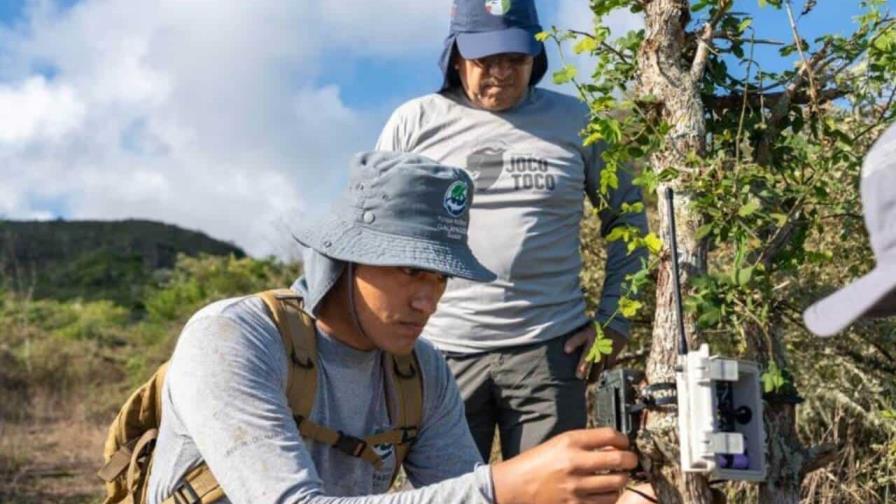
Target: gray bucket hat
{"x": 400, "y": 209}
{"x": 872, "y": 295}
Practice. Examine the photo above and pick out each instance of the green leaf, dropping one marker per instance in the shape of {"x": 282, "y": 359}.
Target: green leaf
{"x": 618, "y": 233}
{"x": 585, "y": 45}
{"x": 636, "y": 207}
{"x": 744, "y": 24}
{"x": 542, "y": 36}
{"x": 779, "y": 218}
{"x": 743, "y": 276}
{"x": 703, "y": 230}
{"x": 653, "y": 243}
{"x": 710, "y": 316}
{"x": 749, "y": 208}
{"x": 648, "y": 180}
{"x": 608, "y": 180}
{"x": 602, "y": 345}
{"x": 773, "y": 379}
{"x": 565, "y": 74}
{"x": 700, "y": 5}
{"x": 629, "y": 307}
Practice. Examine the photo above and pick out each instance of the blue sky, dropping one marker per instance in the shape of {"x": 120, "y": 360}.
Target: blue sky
{"x": 235, "y": 118}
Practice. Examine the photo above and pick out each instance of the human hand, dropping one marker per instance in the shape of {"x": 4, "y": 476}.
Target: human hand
{"x": 581, "y": 466}
{"x": 586, "y": 336}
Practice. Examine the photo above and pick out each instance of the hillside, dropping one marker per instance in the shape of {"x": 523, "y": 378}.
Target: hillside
{"x": 96, "y": 259}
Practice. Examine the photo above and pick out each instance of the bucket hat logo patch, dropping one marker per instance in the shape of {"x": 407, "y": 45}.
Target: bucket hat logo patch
{"x": 456, "y": 197}
{"x": 497, "y": 7}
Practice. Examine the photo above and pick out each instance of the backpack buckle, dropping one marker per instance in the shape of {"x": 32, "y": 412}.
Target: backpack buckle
{"x": 308, "y": 364}
{"x": 350, "y": 445}
{"x": 184, "y": 494}
{"x": 410, "y": 372}
{"x": 408, "y": 434}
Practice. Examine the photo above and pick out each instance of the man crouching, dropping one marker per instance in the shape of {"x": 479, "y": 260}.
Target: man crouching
{"x": 379, "y": 263}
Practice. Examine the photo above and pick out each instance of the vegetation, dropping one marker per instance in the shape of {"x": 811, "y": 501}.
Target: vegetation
{"x": 95, "y": 259}
{"x": 66, "y": 366}
{"x": 765, "y": 165}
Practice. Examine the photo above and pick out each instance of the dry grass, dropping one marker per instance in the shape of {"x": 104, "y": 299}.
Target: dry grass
{"x": 51, "y": 460}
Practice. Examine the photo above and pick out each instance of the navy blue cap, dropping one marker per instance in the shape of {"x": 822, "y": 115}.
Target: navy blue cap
{"x": 481, "y": 28}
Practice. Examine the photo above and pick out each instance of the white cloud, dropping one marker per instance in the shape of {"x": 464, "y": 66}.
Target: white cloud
{"x": 35, "y": 111}
{"x": 204, "y": 113}
{"x": 207, "y": 114}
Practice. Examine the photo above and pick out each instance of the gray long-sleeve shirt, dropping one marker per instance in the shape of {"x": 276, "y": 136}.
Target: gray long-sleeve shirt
{"x": 531, "y": 171}
{"x": 224, "y": 402}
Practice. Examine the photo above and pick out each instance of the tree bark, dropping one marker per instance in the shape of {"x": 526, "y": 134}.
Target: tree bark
{"x": 665, "y": 74}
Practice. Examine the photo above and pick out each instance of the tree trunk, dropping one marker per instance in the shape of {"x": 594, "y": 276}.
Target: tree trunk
{"x": 665, "y": 74}
{"x": 671, "y": 71}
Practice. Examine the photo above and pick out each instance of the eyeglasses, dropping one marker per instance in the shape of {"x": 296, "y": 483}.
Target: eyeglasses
{"x": 512, "y": 60}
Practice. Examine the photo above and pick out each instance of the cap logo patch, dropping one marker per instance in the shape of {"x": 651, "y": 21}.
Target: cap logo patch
{"x": 456, "y": 197}
{"x": 497, "y": 7}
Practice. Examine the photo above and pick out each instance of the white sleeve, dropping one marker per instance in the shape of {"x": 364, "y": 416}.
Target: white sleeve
{"x": 394, "y": 136}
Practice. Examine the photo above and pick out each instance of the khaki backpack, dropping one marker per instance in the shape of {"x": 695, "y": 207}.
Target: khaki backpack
{"x": 131, "y": 439}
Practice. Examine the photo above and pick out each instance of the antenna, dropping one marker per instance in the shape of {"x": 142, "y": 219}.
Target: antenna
{"x": 676, "y": 282}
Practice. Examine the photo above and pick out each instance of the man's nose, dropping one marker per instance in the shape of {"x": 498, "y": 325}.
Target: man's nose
{"x": 427, "y": 295}
{"x": 425, "y": 301}
{"x": 501, "y": 69}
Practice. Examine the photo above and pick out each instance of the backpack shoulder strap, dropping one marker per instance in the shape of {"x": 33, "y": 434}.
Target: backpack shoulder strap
{"x": 402, "y": 374}
{"x": 296, "y": 330}
{"x": 406, "y": 379}
{"x": 300, "y": 342}
{"x": 199, "y": 487}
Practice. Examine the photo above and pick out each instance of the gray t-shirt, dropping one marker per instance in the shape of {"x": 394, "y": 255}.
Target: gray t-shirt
{"x": 224, "y": 402}
{"x": 531, "y": 172}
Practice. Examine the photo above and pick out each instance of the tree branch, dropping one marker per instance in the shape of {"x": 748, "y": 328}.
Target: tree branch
{"x": 779, "y": 110}
{"x": 604, "y": 45}
{"x": 819, "y": 456}
{"x": 735, "y": 37}
{"x": 770, "y": 100}
{"x": 704, "y": 41}
{"x": 799, "y": 47}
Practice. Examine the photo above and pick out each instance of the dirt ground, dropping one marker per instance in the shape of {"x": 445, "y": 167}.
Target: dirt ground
{"x": 50, "y": 462}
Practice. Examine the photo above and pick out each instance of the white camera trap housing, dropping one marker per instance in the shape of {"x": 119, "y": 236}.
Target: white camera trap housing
{"x": 720, "y": 417}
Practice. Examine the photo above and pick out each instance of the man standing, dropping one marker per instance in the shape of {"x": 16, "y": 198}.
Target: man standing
{"x": 516, "y": 344}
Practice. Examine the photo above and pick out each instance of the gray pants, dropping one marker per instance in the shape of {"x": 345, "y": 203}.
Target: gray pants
{"x": 530, "y": 392}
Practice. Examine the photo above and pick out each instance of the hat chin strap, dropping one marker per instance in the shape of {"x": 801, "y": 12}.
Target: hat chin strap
{"x": 351, "y": 302}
